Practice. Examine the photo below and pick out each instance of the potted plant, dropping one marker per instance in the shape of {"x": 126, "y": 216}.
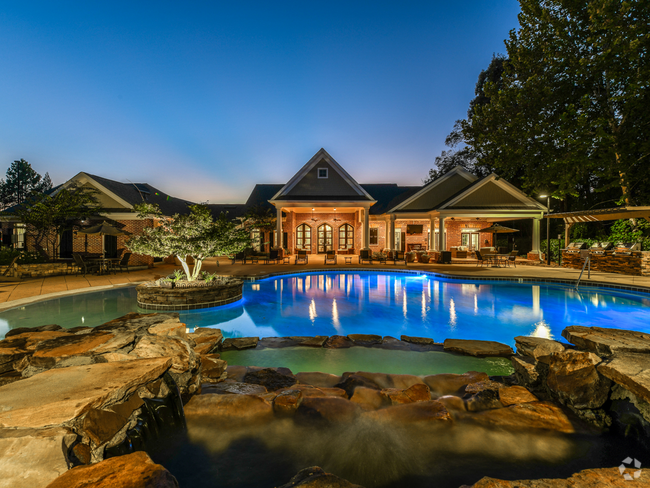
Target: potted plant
{"x": 410, "y": 256}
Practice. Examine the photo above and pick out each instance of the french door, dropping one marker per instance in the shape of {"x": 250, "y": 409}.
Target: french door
{"x": 325, "y": 238}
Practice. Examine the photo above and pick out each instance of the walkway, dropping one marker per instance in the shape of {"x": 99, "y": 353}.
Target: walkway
{"x": 19, "y": 293}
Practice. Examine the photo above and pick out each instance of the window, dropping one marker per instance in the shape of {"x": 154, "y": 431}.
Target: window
{"x": 346, "y": 237}
{"x": 257, "y": 240}
{"x": 322, "y": 173}
{"x": 303, "y": 237}
{"x": 374, "y": 236}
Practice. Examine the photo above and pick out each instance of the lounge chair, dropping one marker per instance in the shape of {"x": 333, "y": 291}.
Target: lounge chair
{"x": 123, "y": 263}
{"x": 365, "y": 255}
{"x": 301, "y": 256}
{"x": 479, "y": 258}
{"x": 381, "y": 258}
{"x": 330, "y": 257}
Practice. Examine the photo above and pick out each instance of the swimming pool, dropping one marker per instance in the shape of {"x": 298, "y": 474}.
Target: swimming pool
{"x": 383, "y": 303}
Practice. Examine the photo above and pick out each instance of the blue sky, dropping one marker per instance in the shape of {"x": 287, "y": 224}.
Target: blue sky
{"x": 205, "y": 99}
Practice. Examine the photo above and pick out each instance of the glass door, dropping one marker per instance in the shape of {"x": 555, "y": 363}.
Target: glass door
{"x": 470, "y": 240}
{"x": 325, "y": 238}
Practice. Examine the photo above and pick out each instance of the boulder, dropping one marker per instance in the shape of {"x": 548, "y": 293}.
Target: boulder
{"x": 183, "y": 357}
{"x": 101, "y": 425}
{"x": 349, "y": 383}
{"x": 236, "y": 373}
{"x": 574, "y": 380}
{"x": 312, "y": 391}
{"x": 537, "y": 347}
{"x": 449, "y": 383}
{"x": 588, "y": 478}
{"x": 232, "y": 386}
{"x": 369, "y": 398}
{"x": 318, "y": 379}
{"x": 487, "y": 399}
{"x": 135, "y": 470}
{"x": 514, "y": 395}
{"x": 271, "y": 378}
{"x": 417, "y": 340}
{"x": 535, "y": 415}
{"x": 138, "y": 322}
{"x": 315, "y": 477}
{"x": 239, "y": 343}
{"x": 525, "y": 371}
{"x": 632, "y": 371}
{"x": 393, "y": 344}
{"x": 364, "y": 339}
{"x": 479, "y": 349}
{"x": 230, "y": 410}
{"x": 42, "y": 328}
{"x": 431, "y": 411}
{"x": 416, "y": 393}
{"x": 58, "y": 396}
{"x": 479, "y": 386}
{"x": 286, "y": 402}
{"x": 338, "y": 342}
{"x": 326, "y": 410}
{"x": 316, "y": 341}
{"x": 173, "y": 327}
{"x": 212, "y": 369}
{"x": 606, "y": 342}
{"x": 33, "y": 458}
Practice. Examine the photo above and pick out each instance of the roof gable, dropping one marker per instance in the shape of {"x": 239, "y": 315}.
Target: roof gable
{"x": 491, "y": 192}
{"x": 306, "y": 184}
{"x": 437, "y": 191}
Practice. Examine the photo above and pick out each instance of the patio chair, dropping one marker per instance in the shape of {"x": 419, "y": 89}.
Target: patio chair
{"x": 301, "y": 257}
{"x": 122, "y": 263}
{"x": 274, "y": 255}
{"x": 240, "y": 256}
{"x": 381, "y": 258}
{"x": 365, "y": 255}
{"x": 84, "y": 266}
{"x": 399, "y": 256}
{"x": 330, "y": 257}
{"x": 479, "y": 258}
{"x": 511, "y": 259}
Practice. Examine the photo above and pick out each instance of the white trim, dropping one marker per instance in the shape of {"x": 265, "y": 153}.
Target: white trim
{"x": 458, "y": 170}
{"x": 320, "y": 155}
{"x": 504, "y": 185}
{"x": 322, "y": 177}
{"x": 83, "y": 178}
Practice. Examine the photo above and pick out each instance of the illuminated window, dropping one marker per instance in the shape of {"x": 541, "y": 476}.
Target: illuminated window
{"x": 374, "y": 236}
{"x": 303, "y": 237}
{"x": 346, "y": 236}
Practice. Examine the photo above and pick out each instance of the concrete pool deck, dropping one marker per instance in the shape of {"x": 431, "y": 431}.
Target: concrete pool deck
{"x": 18, "y": 293}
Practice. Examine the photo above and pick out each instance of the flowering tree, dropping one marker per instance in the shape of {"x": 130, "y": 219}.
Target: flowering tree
{"x": 195, "y": 234}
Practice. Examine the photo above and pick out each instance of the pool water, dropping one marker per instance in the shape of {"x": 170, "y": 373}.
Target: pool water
{"x": 382, "y": 303}
{"x": 373, "y": 360}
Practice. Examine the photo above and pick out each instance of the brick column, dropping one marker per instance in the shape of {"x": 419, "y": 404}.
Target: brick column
{"x": 366, "y": 229}
{"x": 278, "y": 232}
{"x": 391, "y": 236}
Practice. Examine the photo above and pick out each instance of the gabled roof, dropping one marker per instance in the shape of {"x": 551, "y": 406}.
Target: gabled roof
{"x": 435, "y": 192}
{"x": 306, "y": 184}
{"x": 388, "y": 195}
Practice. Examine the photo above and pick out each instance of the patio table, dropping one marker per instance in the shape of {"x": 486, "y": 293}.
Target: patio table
{"x": 104, "y": 264}
{"x": 496, "y": 260}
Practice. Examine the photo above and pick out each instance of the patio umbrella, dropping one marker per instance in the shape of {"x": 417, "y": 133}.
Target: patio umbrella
{"x": 498, "y": 229}
{"x": 105, "y": 229}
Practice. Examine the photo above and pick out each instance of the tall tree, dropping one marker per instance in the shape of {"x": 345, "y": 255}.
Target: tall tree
{"x": 21, "y": 180}
{"x": 571, "y": 112}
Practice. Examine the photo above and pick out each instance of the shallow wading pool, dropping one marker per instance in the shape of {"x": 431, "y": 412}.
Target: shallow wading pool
{"x": 382, "y": 303}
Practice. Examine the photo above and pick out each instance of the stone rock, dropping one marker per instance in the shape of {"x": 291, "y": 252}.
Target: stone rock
{"x": 271, "y": 378}
{"x": 525, "y": 371}
{"x": 449, "y": 383}
{"x": 62, "y": 395}
{"x": 206, "y": 337}
{"x": 537, "y": 347}
{"x": 416, "y": 393}
{"x": 316, "y": 341}
{"x": 514, "y": 395}
{"x": 286, "y": 402}
{"x": 452, "y": 403}
{"x": 535, "y": 415}
{"x": 135, "y": 470}
{"x": 173, "y": 327}
{"x": 183, "y": 357}
{"x": 229, "y": 410}
{"x": 431, "y": 411}
{"x": 484, "y": 385}
{"x": 315, "y": 477}
{"x": 116, "y": 356}
{"x": 312, "y": 391}
{"x": 487, "y": 399}
{"x": 203, "y": 349}
{"x": 369, "y": 398}
{"x": 606, "y": 342}
{"x": 391, "y": 343}
{"x": 349, "y": 383}
{"x": 101, "y": 425}
{"x": 239, "y": 343}
{"x": 138, "y": 323}
{"x": 278, "y": 342}
{"x": 121, "y": 339}
{"x": 383, "y": 380}
{"x": 318, "y": 379}
{"x": 574, "y": 380}
{"x": 588, "y": 478}
{"x": 338, "y": 342}
{"x": 212, "y": 369}
{"x": 326, "y": 410}
{"x": 364, "y": 339}
{"x": 479, "y": 349}
{"x": 236, "y": 373}
{"x": 632, "y": 371}
{"x": 417, "y": 340}
{"x": 33, "y": 458}
{"x": 42, "y": 328}
{"x": 231, "y": 386}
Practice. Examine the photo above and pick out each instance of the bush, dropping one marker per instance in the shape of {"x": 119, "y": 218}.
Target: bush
{"x": 7, "y": 255}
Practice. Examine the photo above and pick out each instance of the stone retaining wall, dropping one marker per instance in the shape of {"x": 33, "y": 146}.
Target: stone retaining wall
{"x": 151, "y": 297}
{"x": 636, "y": 264}
{"x": 41, "y": 270}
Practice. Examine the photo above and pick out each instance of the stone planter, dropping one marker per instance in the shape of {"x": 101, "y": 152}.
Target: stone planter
{"x": 151, "y": 296}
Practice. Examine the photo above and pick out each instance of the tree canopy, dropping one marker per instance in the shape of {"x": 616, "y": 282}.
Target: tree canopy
{"x": 195, "y": 234}
{"x": 21, "y": 180}
{"x": 569, "y": 113}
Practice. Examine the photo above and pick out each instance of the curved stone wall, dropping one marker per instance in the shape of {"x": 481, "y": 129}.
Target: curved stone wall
{"x": 152, "y": 297}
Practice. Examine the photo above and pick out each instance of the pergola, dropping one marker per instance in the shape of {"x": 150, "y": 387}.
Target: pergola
{"x": 599, "y": 215}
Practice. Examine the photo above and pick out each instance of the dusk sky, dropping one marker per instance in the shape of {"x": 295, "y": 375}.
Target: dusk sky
{"x": 205, "y": 99}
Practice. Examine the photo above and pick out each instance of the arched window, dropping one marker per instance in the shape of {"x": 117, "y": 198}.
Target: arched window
{"x": 325, "y": 241}
{"x": 303, "y": 237}
{"x": 346, "y": 237}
